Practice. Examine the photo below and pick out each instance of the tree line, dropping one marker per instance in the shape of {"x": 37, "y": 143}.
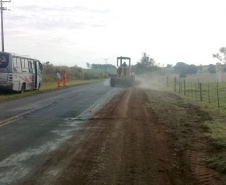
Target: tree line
{"x": 184, "y": 69}
{"x": 100, "y": 66}
{"x": 73, "y": 73}
{"x": 145, "y": 65}
{"x": 148, "y": 65}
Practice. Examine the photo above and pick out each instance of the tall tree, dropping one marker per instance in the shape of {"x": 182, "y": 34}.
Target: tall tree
{"x": 183, "y": 69}
{"x": 191, "y": 69}
{"x": 221, "y": 55}
{"x": 169, "y": 65}
{"x": 87, "y": 65}
{"x": 211, "y": 68}
{"x": 146, "y": 64}
{"x": 180, "y": 67}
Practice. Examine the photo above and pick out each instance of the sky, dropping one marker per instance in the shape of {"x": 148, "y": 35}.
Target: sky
{"x": 76, "y": 32}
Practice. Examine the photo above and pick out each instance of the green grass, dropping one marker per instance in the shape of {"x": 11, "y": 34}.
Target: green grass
{"x": 217, "y": 162}
{"x": 217, "y": 133}
{"x": 46, "y": 87}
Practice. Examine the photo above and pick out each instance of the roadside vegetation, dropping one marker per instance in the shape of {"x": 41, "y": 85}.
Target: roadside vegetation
{"x": 74, "y": 73}
{"x": 217, "y": 136}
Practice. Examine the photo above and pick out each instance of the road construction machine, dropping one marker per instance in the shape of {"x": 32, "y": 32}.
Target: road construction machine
{"x": 124, "y": 75}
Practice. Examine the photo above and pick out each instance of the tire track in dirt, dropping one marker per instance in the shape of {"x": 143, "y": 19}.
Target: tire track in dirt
{"x": 201, "y": 173}
{"x": 169, "y": 165}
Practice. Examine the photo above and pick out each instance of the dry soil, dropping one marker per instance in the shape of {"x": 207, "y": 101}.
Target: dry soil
{"x": 140, "y": 137}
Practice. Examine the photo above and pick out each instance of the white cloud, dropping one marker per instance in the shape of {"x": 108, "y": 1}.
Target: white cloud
{"x": 90, "y": 31}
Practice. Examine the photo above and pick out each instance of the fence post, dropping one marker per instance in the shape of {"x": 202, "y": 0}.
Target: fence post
{"x": 184, "y": 88}
{"x": 195, "y": 90}
{"x": 188, "y": 89}
{"x": 200, "y": 89}
{"x": 218, "y": 101}
{"x": 208, "y": 93}
{"x": 167, "y": 81}
{"x": 179, "y": 86}
{"x": 191, "y": 90}
{"x": 175, "y": 82}
{"x": 198, "y": 83}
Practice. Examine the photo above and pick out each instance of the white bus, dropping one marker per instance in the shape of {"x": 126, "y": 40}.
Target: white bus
{"x": 18, "y": 73}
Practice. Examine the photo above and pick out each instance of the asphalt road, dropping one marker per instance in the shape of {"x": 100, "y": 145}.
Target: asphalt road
{"x": 32, "y": 127}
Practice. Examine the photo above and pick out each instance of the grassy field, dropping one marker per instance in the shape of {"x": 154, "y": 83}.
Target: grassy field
{"x": 46, "y": 86}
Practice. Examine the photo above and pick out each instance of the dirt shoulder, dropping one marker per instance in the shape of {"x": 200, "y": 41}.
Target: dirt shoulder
{"x": 140, "y": 137}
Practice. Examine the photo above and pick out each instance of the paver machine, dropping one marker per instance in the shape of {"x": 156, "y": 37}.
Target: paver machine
{"x": 124, "y": 75}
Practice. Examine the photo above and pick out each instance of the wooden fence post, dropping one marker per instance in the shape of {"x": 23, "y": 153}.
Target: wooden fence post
{"x": 198, "y": 83}
{"x": 175, "y": 83}
{"x": 188, "y": 88}
{"x": 218, "y": 101}
{"x": 167, "y": 81}
{"x": 208, "y": 93}
{"x": 200, "y": 89}
{"x": 195, "y": 90}
{"x": 179, "y": 86}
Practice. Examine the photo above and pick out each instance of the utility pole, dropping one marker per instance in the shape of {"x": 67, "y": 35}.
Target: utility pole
{"x": 2, "y": 32}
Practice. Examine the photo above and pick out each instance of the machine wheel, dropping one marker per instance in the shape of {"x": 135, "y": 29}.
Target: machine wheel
{"x": 112, "y": 82}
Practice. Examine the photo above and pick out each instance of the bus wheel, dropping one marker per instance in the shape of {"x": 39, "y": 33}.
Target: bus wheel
{"x": 22, "y": 89}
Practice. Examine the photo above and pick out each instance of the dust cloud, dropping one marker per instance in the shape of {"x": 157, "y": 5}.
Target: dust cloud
{"x": 152, "y": 82}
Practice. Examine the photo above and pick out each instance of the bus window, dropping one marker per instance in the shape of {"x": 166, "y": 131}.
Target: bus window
{"x": 25, "y": 68}
{"x": 18, "y": 68}
{"x": 40, "y": 67}
{"x": 26, "y": 63}
{"x": 14, "y": 64}
{"x": 22, "y": 62}
{"x": 4, "y": 60}
{"x": 31, "y": 66}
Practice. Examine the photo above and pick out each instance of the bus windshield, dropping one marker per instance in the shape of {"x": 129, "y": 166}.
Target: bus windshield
{"x": 4, "y": 60}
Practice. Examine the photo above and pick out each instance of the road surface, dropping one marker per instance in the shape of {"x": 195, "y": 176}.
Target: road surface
{"x": 32, "y": 127}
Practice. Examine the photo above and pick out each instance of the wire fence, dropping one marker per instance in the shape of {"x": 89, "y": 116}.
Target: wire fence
{"x": 213, "y": 93}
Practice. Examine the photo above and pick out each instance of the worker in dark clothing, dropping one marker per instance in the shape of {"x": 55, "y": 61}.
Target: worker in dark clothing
{"x": 124, "y": 64}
